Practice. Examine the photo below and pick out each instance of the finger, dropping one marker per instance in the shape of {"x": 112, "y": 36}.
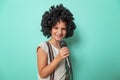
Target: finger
{"x": 66, "y": 52}
{"x": 64, "y": 48}
{"x": 66, "y": 55}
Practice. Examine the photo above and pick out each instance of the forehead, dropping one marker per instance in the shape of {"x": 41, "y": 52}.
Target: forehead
{"x": 60, "y": 24}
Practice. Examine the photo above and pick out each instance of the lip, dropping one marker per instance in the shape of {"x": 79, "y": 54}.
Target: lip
{"x": 59, "y": 36}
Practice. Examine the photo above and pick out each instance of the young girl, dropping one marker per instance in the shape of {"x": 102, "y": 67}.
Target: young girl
{"x": 57, "y": 24}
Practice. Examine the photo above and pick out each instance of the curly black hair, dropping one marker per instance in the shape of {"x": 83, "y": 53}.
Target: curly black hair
{"x": 55, "y": 14}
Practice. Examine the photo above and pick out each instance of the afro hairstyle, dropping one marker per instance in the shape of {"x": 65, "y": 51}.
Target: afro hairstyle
{"x": 55, "y": 14}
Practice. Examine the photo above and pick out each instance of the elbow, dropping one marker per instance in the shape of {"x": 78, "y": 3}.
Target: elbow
{"x": 42, "y": 75}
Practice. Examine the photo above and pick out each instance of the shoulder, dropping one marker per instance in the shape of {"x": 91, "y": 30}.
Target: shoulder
{"x": 43, "y": 46}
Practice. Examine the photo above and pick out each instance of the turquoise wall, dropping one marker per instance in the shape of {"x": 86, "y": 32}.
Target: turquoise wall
{"x": 95, "y": 47}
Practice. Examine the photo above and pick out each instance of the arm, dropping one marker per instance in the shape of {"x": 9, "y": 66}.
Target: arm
{"x": 46, "y": 69}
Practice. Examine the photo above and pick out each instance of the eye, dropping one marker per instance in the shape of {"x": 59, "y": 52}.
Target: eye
{"x": 63, "y": 28}
{"x": 55, "y": 27}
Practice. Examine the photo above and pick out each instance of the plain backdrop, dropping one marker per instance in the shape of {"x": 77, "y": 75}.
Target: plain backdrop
{"x": 95, "y": 46}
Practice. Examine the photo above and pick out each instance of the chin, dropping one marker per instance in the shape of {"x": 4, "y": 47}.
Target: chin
{"x": 59, "y": 39}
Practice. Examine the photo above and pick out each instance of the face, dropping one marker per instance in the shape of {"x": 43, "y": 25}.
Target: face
{"x": 58, "y": 31}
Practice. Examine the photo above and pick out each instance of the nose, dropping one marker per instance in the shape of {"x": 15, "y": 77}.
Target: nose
{"x": 59, "y": 31}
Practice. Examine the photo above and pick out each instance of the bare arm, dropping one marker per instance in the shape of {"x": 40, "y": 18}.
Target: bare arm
{"x": 46, "y": 69}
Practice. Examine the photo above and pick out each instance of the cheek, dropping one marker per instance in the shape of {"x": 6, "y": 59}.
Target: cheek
{"x": 52, "y": 31}
{"x": 65, "y": 32}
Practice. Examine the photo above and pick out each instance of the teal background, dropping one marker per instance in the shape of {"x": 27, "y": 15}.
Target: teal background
{"x": 95, "y": 46}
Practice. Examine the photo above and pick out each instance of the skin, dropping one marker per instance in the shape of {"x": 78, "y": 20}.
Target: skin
{"x": 58, "y": 32}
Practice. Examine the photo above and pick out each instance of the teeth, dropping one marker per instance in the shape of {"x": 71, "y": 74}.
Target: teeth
{"x": 58, "y": 36}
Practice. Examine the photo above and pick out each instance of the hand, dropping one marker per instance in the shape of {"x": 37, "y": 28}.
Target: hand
{"x": 63, "y": 53}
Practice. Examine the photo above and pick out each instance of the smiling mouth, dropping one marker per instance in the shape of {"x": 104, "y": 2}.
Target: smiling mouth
{"x": 59, "y": 36}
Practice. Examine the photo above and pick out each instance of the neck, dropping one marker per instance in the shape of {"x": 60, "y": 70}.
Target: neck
{"x": 55, "y": 43}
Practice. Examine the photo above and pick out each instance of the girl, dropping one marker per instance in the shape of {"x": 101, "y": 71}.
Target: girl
{"x": 57, "y": 24}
